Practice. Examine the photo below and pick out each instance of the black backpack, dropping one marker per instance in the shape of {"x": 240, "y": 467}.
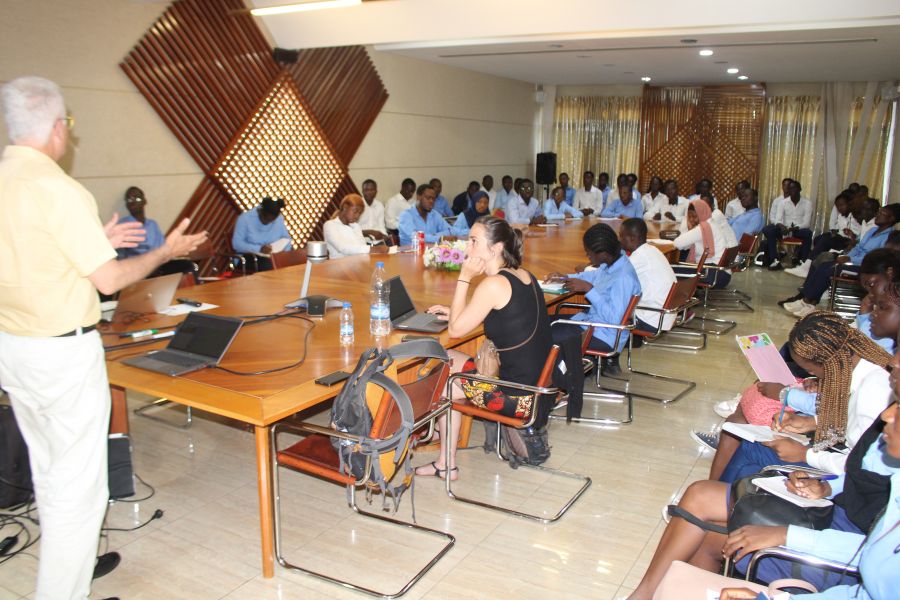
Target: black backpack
{"x": 351, "y": 414}
{"x": 15, "y": 471}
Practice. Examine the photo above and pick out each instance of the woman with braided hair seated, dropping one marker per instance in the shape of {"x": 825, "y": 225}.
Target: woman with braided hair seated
{"x": 853, "y": 383}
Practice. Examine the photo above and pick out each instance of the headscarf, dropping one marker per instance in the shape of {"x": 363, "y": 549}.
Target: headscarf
{"x": 704, "y": 212}
{"x": 470, "y": 214}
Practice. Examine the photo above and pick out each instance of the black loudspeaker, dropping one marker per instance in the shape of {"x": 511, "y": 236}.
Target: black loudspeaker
{"x": 121, "y": 474}
{"x": 15, "y": 471}
{"x": 546, "y": 168}
{"x": 285, "y": 56}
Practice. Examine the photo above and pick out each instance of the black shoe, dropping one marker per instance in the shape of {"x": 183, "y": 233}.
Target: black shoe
{"x": 776, "y": 266}
{"x": 793, "y": 298}
{"x": 637, "y": 341}
{"x": 106, "y": 563}
{"x": 610, "y": 366}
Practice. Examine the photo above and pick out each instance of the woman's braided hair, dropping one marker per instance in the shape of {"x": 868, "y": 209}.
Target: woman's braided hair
{"x": 826, "y": 339}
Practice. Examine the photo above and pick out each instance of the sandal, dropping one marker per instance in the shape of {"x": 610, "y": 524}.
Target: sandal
{"x": 439, "y": 473}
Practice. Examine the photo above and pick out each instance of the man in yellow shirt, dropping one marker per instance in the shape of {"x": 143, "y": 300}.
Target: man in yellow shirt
{"x": 56, "y": 256}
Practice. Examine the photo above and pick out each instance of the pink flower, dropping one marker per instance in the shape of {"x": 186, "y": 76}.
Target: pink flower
{"x": 456, "y": 257}
{"x": 444, "y": 254}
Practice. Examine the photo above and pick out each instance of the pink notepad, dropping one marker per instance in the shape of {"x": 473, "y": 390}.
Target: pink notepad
{"x": 763, "y": 356}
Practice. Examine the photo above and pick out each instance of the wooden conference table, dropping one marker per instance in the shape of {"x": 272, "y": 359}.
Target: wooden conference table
{"x": 263, "y": 400}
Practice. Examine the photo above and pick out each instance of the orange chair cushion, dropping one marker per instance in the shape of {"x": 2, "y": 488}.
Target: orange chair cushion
{"x": 315, "y": 455}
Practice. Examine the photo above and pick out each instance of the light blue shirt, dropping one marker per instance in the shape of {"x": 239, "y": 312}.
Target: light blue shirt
{"x": 871, "y": 241}
{"x": 503, "y": 198}
{"x": 864, "y": 325}
{"x": 618, "y": 209}
{"x": 411, "y": 221}
{"x": 250, "y": 235}
{"x": 551, "y": 211}
{"x": 605, "y": 193}
{"x": 878, "y": 562}
{"x": 570, "y": 195}
{"x": 517, "y": 212}
{"x": 614, "y": 285}
{"x": 750, "y": 222}
{"x": 442, "y": 206}
{"x": 154, "y": 238}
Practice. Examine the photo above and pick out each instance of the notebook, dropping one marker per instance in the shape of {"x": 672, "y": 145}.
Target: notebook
{"x": 404, "y": 314}
{"x": 199, "y": 342}
{"x": 762, "y": 354}
{"x": 146, "y": 296}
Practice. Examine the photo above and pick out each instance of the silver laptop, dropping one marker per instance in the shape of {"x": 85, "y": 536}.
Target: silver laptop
{"x": 199, "y": 342}
{"x": 146, "y": 296}
{"x": 404, "y": 314}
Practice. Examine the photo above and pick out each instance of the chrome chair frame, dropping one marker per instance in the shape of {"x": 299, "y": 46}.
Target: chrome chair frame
{"x": 307, "y": 428}
{"x": 799, "y": 557}
{"x": 536, "y": 391}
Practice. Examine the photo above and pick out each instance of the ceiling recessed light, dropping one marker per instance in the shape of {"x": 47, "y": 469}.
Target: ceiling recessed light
{"x": 302, "y": 6}
{"x": 732, "y": 71}
{"x": 688, "y": 41}
{"x": 743, "y": 77}
{"x": 706, "y": 53}
{"x": 645, "y": 79}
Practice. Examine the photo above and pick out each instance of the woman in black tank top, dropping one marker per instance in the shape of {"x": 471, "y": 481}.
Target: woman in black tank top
{"x": 510, "y": 304}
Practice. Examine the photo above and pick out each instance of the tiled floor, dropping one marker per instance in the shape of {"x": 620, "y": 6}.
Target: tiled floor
{"x": 207, "y": 544}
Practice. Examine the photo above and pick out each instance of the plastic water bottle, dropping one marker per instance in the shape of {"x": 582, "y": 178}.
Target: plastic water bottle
{"x": 379, "y": 305}
{"x": 346, "y": 325}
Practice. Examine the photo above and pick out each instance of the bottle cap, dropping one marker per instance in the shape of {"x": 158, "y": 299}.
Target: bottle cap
{"x": 346, "y": 305}
{"x": 379, "y": 264}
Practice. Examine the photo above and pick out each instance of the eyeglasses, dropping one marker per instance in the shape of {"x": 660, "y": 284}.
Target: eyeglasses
{"x": 69, "y": 121}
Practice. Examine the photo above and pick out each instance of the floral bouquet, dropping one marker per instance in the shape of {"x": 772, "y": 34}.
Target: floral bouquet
{"x": 446, "y": 255}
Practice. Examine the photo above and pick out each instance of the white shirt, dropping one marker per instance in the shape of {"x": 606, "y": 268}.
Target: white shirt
{"x": 721, "y": 221}
{"x": 661, "y": 206}
{"x": 794, "y": 215}
{"x": 344, "y": 240}
{"x": 734, "y": 208}
{"x": 588, "y": 199}
{"x": 774, "y": 207}
{"x": 372, "y": 217}
{"x": 518, "y": 213}
{"x": 656, "y": 277}
{"x": 492, "y": 197}
{"x": 840, "y": 222}
{"x": 694, "y": 237}
{"x": 869, "y": 393}
{"x": 395, "y": 207}
{"x": 647, "y": 200}
{"x": 865, "y": 226}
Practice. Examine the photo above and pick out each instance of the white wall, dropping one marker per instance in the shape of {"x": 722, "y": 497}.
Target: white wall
{"x": 119, "y": 140}
{"x": 448, "y": 123}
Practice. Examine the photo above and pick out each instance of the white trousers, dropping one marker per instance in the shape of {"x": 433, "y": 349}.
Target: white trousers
{"x": 60, "y": 395}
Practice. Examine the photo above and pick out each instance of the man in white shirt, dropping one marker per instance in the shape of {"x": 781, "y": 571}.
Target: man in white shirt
{"x": 734, "y": 206}
{"x": 525, "y": 209}
{"x": 487, "y": 185}
{"x": 505, "y": 194}
{"x": 792, "y": 219}
{"x": 703, "y": 187}
{"x": 342, "y": 233}
{"x": 668, "y": 207}
{"x": 371, "y": 221}
{"x": 587, "y": 197}
{"x": 399, "y": 203}
{"x": 653, "y": 271}
{"x": 842, "y": 230}
{"x": 776, "y": 202}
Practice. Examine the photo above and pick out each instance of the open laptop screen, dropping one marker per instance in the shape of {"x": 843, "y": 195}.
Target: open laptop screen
{"x": 206, "y": 335}
{"x": 401, "y": 303}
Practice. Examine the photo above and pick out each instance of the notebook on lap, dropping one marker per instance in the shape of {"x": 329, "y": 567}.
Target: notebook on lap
{"x": 199, "y": 342}
{"x": 404, "y": 314}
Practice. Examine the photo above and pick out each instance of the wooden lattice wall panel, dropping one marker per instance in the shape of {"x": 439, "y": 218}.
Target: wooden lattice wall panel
{"x": 717, "y": 136}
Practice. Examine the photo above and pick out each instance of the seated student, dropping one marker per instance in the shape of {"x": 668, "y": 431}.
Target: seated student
{"x": 624, "y": 206}
{"x": 510, "y": 304}
{"x": 608, "y": 287}
{"x": 654, "y": 273}
{"x": 464, "y": 200}
{"x": 655, "y": 191}
{"x": 441, "y": 204}
{"x": 487, "y": 186}
{"x": 422, "y": 217}
{"x": 750, "y": 220}
{"x": 862, "y": 531}
{"x": 371, "y": 221}
{"x": 734, "y": 206}
{"x": 703, "y": 188}
{"x": 525, "y": 209}
{"x": 866, "y": 216}
{"x": 819, "y": 278}
{"x": 256, "y": 229}
{"x": 703, "y": 234}
{"x": 568, "y": 192}
{"x": 342, "y": 233}
{"x": 775, "y": 205}
{"x": 504, "y": 195}
{"x": 622, "y": 179}
{"x": 466, "y": 220}
{"x": 556, "y": 208}
{"x": 604, "y": 187}
{"x": 136, "y": 204}
{"x": 587, "y": 198}
{"x": 398, "y": 204}
{"x": 668, "y": 206}
{"x": 791, "y": 219}
{"x": 842, "y": 229}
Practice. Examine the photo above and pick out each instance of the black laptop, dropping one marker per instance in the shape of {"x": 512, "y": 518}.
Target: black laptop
{"x": 199, "y": 342}
{"x": 404, "y": 314}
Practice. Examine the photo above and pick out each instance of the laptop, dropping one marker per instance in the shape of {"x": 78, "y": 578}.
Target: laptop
{"x": 199, "y": 342}
{"x": 146, "y": 296}
{"x": 404, "y": 314}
